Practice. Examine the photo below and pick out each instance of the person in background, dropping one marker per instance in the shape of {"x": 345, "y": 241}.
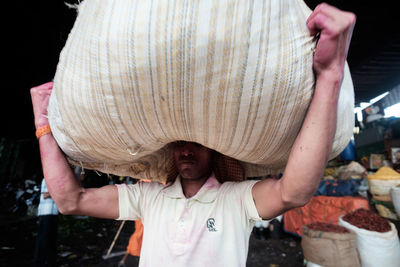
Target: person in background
{"x": 134, "y": 247}
{"x": 195, "y": 220}
{"x": 46, "y": 240}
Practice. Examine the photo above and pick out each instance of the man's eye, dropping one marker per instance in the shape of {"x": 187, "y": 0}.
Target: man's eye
{"x": 180, "y": 143}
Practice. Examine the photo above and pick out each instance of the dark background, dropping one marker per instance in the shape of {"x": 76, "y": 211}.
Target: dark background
{"x": 34, "y": 32}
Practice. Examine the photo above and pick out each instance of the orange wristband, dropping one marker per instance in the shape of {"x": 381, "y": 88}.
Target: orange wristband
{"x": 42, "y": 131}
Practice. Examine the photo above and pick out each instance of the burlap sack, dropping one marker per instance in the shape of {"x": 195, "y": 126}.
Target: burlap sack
{"x": 330, "y": 249}
{"x": 235, "y": 76}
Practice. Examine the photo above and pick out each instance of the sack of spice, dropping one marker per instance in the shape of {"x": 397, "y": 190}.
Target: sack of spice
{"x": 385, "y": 208}
{"x": 380, "y": 184}
{"x": 381, "y": 181}
{"x": 377, "y": 238}
{"x": 329, "y": 245}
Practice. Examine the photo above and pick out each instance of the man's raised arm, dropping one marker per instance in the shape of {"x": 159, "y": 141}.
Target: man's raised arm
{"x": 65, "y": 189}
{"x": 313, "y": 144}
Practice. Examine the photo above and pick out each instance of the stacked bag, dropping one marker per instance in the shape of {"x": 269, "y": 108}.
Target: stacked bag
{"x": 380, "y": 185}
{"x": 342, "y": 181}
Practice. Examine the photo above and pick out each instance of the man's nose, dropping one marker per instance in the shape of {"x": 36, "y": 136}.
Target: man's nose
{"x": 187, "y": 150}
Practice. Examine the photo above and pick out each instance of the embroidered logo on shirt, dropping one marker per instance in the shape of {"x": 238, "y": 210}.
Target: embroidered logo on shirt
{"x": 211, "y": 225}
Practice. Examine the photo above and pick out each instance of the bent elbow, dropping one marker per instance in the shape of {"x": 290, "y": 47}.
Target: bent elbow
{"x": 64, "y": 211}
{"x": 296, "y": 201}
{"x": 294, "y": 197}
{"x": 68, "y": 209}
{"x": 300, "y": 202}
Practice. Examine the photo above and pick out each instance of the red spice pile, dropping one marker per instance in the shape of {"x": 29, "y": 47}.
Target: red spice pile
{"x": 369, "y": 220}
{"x": 327, "y": 227}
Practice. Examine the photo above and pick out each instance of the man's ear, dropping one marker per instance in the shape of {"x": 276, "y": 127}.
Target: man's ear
{"x": 172, "y": 171}
{"x": 215, "y": 157}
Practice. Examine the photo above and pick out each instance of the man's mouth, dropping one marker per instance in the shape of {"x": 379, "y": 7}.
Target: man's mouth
{"x": 187, "y": 162}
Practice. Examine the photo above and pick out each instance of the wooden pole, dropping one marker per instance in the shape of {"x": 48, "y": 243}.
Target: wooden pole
{"x": 115, "y": 239}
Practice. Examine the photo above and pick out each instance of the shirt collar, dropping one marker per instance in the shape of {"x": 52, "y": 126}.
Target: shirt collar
{"x": 206, "y": 194}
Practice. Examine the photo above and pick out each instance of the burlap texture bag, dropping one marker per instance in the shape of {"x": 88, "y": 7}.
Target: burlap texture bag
{"x": 235, "y": 76}
{"x": 330, "y": 249}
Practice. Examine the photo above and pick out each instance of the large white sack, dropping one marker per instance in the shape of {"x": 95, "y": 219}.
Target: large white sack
{"x": 235, "y": 76}
{"x": 376, "y": 249}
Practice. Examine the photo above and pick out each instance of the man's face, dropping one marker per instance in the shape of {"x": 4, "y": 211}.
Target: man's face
{"x": 192, "y": 160}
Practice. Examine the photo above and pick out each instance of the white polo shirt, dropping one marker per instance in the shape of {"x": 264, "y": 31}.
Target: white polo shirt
{"x": 211, "y": 228}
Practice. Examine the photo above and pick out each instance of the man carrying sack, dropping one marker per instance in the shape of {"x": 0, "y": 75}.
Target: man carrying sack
{"x": 194, "y": 220}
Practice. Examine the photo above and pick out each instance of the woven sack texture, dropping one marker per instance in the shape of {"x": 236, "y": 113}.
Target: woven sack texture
{"x": 330, "y": 249}
{"x": 235, "y": 76}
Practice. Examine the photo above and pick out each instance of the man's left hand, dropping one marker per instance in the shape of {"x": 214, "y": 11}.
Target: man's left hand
{"x": 335, "y": 28}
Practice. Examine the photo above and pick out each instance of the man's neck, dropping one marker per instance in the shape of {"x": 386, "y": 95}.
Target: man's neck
{"x": 190, "y": 187}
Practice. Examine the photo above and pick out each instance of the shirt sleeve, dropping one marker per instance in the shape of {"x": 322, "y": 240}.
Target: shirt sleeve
{"x": 129, "y": 198}
{"x": 248, "y": 201}
{"x": 242, "y": 195}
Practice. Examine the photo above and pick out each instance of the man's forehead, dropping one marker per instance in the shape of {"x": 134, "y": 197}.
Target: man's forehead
{"x": 182, "y": 143}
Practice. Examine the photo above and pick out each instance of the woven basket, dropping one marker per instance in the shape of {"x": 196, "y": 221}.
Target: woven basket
{"x": 235, "y": 76}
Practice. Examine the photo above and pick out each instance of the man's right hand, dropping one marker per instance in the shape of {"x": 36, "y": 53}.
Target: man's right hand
{"x": 40, "y": 100}
{"x": 65, "y": 189}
